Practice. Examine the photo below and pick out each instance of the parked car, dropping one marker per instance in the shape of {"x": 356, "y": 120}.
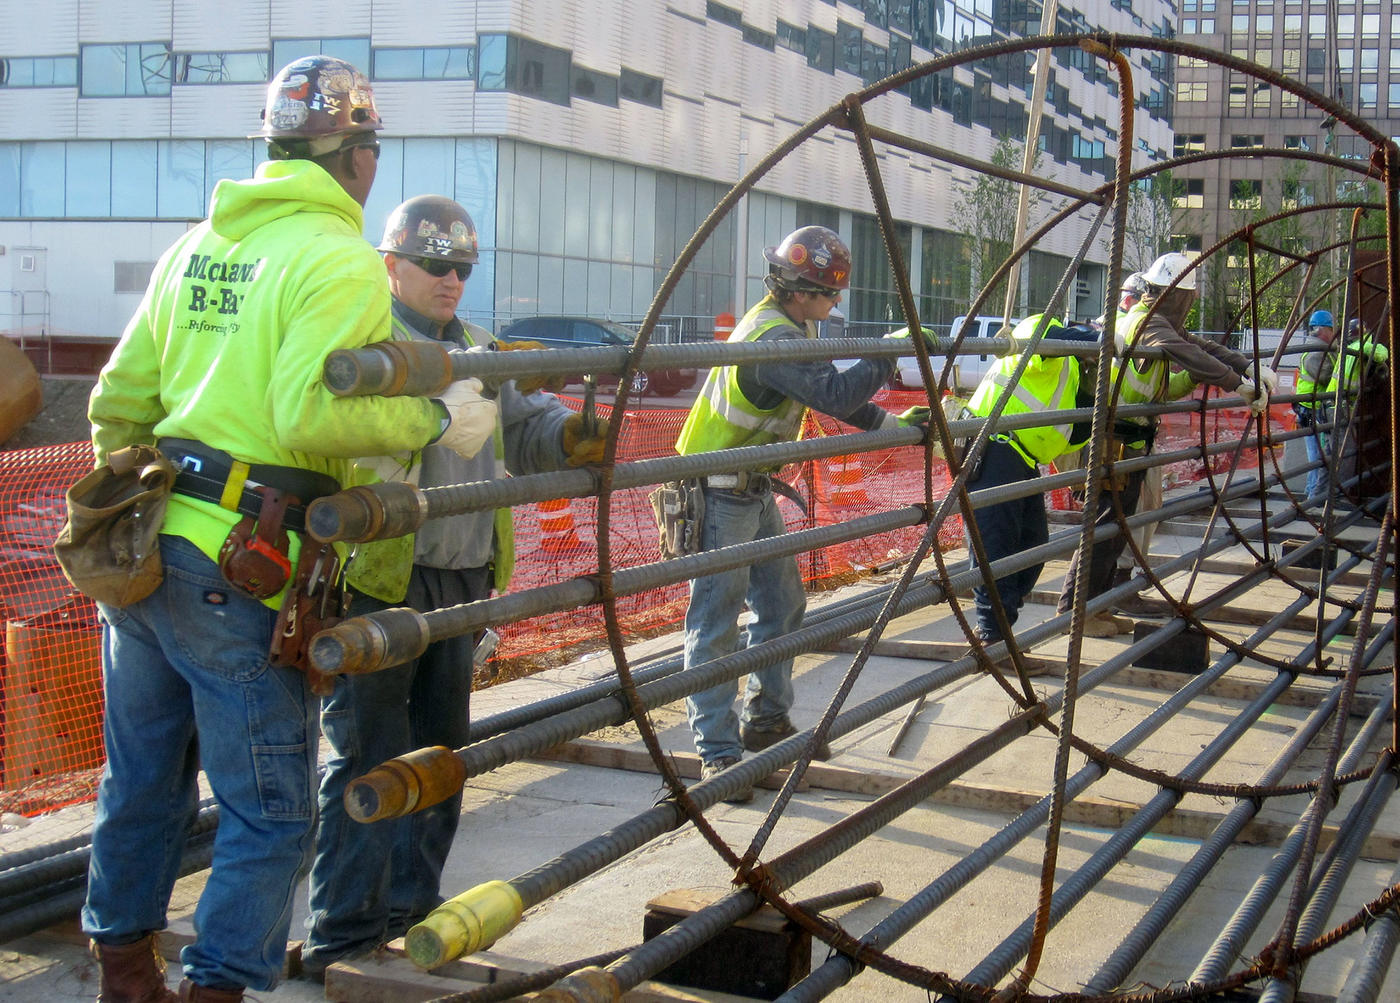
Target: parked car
{"x": 968, "y": 370}
{"x": 585, "y": 332}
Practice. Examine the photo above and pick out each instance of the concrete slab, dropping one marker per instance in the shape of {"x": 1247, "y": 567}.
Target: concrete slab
{"x": 521, "y": 816}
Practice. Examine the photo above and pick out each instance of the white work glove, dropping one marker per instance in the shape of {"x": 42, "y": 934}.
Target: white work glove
{"x": 1268, "y": 378}
{"x": 473, "y": 418}
{"x": 398, "y": 467}
{"x": 1258, "y": 400}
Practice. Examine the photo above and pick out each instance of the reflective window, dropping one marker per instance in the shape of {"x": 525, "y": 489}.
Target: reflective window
{"x": 590, "y": 85}
{"x": 41, "y": 179}
{"x": 821, "y": 50}
{"x": 354, "y": 51}
{"x": 9, "y": 179}
{"x": 445, "y": 63}
{"x": 1370, "y": 60}
{"x": 640, "y": 87}
{"x": 136, "y": 69}
{"x": 134, "y": 179}
{"x": 792, "y": 37}
{"x": 1366, "y": 95}
{"x": 222, "y": 68}
{"x": 1394, "y": 107}
{"x": 87, "y": 168}
{"x": 39, "y": 71}
{"x": 180, "y": 179}
{"x": 848, "y": 45}
{"x": 524, "y": 66}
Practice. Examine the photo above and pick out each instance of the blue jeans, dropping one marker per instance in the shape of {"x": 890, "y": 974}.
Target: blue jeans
{"x": 1319, "y": 448}
{"x": 371, "y": 882}
{"x": 188, "y": 685}
{"x": 774, "y": 593}
{"x": 1007, "y": 528}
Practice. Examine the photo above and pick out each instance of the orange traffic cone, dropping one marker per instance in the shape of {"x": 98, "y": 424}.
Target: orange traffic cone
{"x": 558, "y": 535}
{"x": 847, "y": 475}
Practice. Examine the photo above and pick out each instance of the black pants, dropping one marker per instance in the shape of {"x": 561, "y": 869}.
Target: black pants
{"x": 1103, "y": 557}
{"x": 1007, "y": 528}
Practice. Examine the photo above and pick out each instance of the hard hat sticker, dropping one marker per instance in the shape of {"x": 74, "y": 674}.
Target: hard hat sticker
{"x": 797, "y": 254}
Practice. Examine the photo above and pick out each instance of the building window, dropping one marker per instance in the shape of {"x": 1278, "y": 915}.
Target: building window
{"x": 1292, "y": 25}
{"x": 221, "y": 68}
{"x": 1370, "y": 60}
{"x": 724, "y": 15}
{"x": 640, "y": 87}
{"x": 1394, "y": 98}
{"x": 876, "y": 12}
{"x": 1191, "y": 90}
{"x": 523, "y": 66}
{"x": 39, "y": 71}
{"x": 1239, "y": 24}
{"x": 136, "y": 69}
{"x": 590, "y": 85}
{"x": 1366, "y": 96}
{"x": 848, "y": 44}
{"x": 1264, "y": 24}
{"x": 821, "y": 50}
{"x": 1370, "y": 26}
{"x": 1346, "y": 25}
{"x": 354, "y": 51}
{"x": 758, "y": 37}
{"x": 1303, "y": 143}
{"x": 1190, "y": 193}
{"x": 1246, "y": 142}
{"x": 445, "y": 63}
{"x": 1185, "y": 143}
{"x": 1246, "y": 194}
{"x": 874, "y": 62}
{"x": 792, "y": 37}
{"x": 1346, "y": 59}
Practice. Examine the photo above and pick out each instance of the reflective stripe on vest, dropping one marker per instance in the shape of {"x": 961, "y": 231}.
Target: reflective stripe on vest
{"x": 1039, "y": 389}
{"x": 1139, "y": 387}
{"x": 722, "y": 417}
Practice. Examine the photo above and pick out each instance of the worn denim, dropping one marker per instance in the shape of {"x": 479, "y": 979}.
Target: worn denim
{"x": 188, "y": 686}
{"x": 1007, "y": 528}
{"x": 1318, "y": 444}
{"x": 370, "y": 882}
{"x": 774, "y": 592}
{"x": 1103, "y": 556}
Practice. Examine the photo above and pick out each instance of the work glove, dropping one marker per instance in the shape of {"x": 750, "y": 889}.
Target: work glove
{"x": 582, "y": 449}
{"x": 915, "y": 416}
{"x": 1268, "y": 379}
{"x": 903, "y": 332}
{"x": 1258, "y": 400}
{"x": 529, "y": 384}
{"x": 472, "y": 418}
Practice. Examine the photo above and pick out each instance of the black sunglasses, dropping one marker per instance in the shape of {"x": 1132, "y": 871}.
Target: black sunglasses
{"x": 437, "y": 268}
{"x": 830, "y": 294}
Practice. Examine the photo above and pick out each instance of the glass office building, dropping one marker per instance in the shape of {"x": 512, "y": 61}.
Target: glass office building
{"x": 588, "y": 140}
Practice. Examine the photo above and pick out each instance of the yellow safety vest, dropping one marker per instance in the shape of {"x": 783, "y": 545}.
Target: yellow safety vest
{"x": 722, "y": 417}
{"x": 1047, "y": 384}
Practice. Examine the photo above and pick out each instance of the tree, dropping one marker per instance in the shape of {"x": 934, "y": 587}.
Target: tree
{"x": 987, "y": 210}
{"x": 1152, "y": 219}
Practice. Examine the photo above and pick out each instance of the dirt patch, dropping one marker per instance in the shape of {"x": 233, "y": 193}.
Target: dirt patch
{"x": 62, "y": 419}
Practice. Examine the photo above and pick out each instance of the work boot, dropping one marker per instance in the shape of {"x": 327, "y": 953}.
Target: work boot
{"x": 131, "y": 973}
{"x": 757, "y": 739}
{"x": 1133, "y": 604}
{"x": 708, "y": 770}
{"x": 1121, "y": 624}
{"x": 1100, "y": 625}
{"x": 192, "y": 993}
{"x": 1035, "y": 666}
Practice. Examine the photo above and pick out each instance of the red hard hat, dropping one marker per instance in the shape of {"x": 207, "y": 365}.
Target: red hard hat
{"x": 811, "y": 257}
{"x": 314, "y": 100}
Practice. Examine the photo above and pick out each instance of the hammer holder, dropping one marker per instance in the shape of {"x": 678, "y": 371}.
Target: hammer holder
{"x": 253, "y": 557}
{"x": 317, "y": 600}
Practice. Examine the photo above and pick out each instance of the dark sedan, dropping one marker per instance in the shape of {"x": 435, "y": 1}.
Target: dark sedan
{"x": 584, "y": 332}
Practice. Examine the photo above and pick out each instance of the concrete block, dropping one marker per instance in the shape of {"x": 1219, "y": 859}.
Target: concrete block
{"x": 1188, "y": 652}
{"x": 762, "y": 955}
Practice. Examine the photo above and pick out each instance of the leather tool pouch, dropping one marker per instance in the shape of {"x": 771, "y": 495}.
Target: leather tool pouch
{"x": 679, "y": 507}
{"x": 316, "y": 601}
{"x": 110, "y": 546}
{"x": 253, "y": 557}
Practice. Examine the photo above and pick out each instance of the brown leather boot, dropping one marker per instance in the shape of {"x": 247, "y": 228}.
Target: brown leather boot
{"x": 131, "y": 973}
{"x": 192, "y": 993}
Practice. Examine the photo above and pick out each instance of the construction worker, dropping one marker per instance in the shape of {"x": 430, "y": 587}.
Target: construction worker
{"x": 1360, "y": 359}
{"x": 1019, "y": 524}
{"x": 1156, "y": 322}
{"x": 370, "y": 883}
{"x": 1314, "y": 376}
{"x": 756, "y": 405}
{"x": 221, "y": 367}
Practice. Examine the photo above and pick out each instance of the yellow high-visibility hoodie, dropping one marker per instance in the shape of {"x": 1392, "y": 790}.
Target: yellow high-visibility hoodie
{"x": 228, "y": 344}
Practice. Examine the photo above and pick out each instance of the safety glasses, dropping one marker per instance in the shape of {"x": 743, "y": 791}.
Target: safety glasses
{"x": 372, "y": 146}
{"x": 437, "y": 268}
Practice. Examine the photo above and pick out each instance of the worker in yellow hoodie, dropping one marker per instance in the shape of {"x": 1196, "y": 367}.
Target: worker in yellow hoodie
{"x": 221, "y": 368}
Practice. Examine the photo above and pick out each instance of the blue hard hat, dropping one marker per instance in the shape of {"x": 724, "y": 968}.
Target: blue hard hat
{"x": 1321, "y": 318}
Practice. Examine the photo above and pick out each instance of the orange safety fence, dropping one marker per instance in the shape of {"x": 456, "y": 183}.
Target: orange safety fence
{"x": 50, "y": 686}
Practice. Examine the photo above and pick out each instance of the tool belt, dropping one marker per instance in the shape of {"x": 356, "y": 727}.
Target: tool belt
{"x": 679, "y": 508}
{"x": 254, "y": 556}
{"x": 754, "y": 483}
{"x": 213, "y": 475}
{"x": 316, "y": 601}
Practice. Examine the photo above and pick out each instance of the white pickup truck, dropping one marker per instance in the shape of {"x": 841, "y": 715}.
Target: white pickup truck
{"x": 968, "y": 370}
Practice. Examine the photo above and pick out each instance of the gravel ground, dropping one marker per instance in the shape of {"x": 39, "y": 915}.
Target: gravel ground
{"x": 63, "y": 418}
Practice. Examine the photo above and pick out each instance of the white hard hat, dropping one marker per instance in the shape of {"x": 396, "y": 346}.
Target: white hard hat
{"x": 1165, "y": 270}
